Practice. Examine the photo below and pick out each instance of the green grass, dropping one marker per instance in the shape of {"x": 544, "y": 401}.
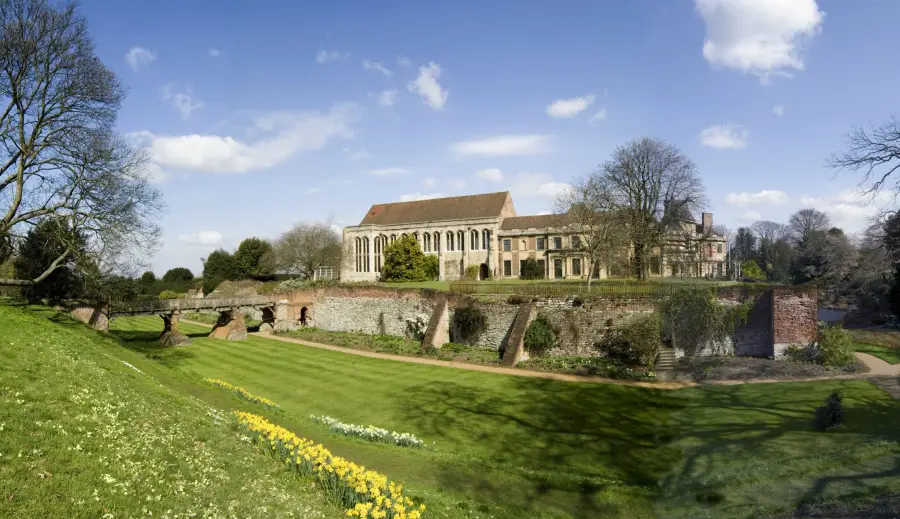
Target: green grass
{"x": 889, "y": 355}
{"x": 514, "y": 447}
{"x": 83, "y": 435}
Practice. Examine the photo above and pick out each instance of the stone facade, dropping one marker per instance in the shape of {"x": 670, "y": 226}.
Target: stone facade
{"x": 484, "y": 231}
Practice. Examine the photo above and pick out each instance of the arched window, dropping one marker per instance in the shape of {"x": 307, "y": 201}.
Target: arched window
{"x": 426, "y": 242}
{"x": 486, "y": 239}
{"x": 461, "y": 240}
{"x": 473, "y": 240}
{"x": 358, "y": 253}
{"x": 366, "y": 265}
{"x": 437, "y": 242}
{"x": 523, "y": 246}
{"x": 450, "y": 240}
{"x": 378, "y": 254}
{"x": 393, "y": 238}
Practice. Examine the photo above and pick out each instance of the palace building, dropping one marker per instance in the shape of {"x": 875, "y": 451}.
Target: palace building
{"x": 484, "y": 231}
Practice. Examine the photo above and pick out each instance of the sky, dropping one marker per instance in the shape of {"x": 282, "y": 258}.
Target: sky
{"x": 258, "y": 116}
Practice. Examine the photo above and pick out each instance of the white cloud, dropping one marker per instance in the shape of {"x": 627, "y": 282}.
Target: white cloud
{"x": 215, "y": 53}
{"x": 567, "y": 108}
{"x": 599, "y": 116}
{"x": 504, "y": 145}
{"x": 724, "y": 137}
{"x": 760, "y": 37}
{"x": 387, "y": 172}
{"x": 139, "y": 57}
{"x": 181, "y": 99}
{"x": 456, "y": 183}
{"x": 490, "y": 174}
{"x": 356, "y": 155}
{"x": 778, "y": 110}
{"x": 202, "y": 238}
{"x": 387, "y": 97}
{"x": 419, "y": 196}
{"x": 403, "y": 61}
{"x": 324, "y": 56}
{"x": 286, "y": 134}
{"x": 850, "y": 209}
{"x": 377, "y": 67}
{"x": 154, "y": 174}
{"x": 312, "y": 190}
{"x": 764, "y": 197}
{"x": 427, "y": 86}
{"x": 750, "y": 217}
{"x": 536, "y": 185}
{"x": 429, "y": 182}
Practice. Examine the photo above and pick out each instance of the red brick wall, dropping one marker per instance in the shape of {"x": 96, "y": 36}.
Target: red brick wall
{"x": 794, "y": 314}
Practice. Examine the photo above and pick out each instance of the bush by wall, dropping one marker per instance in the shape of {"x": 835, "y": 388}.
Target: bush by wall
{"x": 693, "y": 319}
{"x": 531, "y": 269}
{"x": 472, "y": 273}
{"x": 835, "y": 346}
{"x": 467, "y": 325}
{"x": 634, "y": 342}
{"x": 540, "y": 336}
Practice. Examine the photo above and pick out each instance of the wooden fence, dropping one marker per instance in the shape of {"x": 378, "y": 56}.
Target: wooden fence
{"x": 166, "y": 305}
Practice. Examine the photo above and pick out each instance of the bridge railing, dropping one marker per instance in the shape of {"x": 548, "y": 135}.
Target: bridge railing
{"x": 168, "y": 305}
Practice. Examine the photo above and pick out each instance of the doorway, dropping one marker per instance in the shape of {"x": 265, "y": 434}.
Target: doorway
{"x": 485, "y": 272}
{"x": 558, "y": 268}
{"x": 303, "y": 316}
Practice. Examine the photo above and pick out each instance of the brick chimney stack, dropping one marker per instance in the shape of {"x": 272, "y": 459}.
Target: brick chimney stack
{"x": 707, "y": 223}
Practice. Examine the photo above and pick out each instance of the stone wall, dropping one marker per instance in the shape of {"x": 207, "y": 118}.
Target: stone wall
{"x": 92, "y": 314}
{"x": 778, "y": 318}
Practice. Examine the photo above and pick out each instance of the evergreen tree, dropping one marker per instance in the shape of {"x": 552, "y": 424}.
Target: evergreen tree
{"x": 530, "y": 269}
{"x": 404, "y": 261}
{"x": 148, "y": 278}
{"x": 178, "y": 275}
{"x": 43, "y": 245}
{"x": 219, "y": 266}
{"x": 255, "y": 259}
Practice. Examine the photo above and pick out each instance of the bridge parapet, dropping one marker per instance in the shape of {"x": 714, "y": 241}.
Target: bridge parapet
{"x": 186, "y": 305}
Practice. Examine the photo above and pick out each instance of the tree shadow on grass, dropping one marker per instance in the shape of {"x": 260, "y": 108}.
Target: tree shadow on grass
{"x": 584, "y": 450}
{"x": 754, "y": 449}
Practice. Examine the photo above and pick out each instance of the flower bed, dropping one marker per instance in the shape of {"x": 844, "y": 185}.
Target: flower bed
{"x": 246, "y": 395}
{"x": 370, "y": 432}
{"x": 365, "y": 493}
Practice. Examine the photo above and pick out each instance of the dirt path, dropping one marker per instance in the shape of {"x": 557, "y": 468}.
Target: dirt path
{"x": 564, "y": 377}
{"x": 877, "y": 366}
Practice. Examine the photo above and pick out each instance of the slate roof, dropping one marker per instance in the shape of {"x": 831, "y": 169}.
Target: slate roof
{"x": 486, "y": 205}
{"x": 532, "y": 222}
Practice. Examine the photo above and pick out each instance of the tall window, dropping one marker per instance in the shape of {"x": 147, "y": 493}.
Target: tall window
{"x": 460, "y": 241}
{"x": 719, "y": 248}
{"x": 507, "y": 245}
{"x": 473, "y": 240}
{"x": 450, "y": 240}
{"x": 378, "y": 254}
{"x": 507, "y": 268}
{"x": 366, "y": 263}
{"x": 540, "y": 243}
{"x": 557, "y": 242}
{"x": 486, "y": 239}
{"x": 576, "y": 266}
{"x": 437, "y": 242}
{"x": 426, "y": 242}
{"x": 543, "y": 265}
{"x": 576, "y": 242}
{"x": 357, "y": 253}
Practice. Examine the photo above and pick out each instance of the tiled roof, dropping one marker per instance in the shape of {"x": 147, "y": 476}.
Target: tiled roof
{"x": 487, "y": 205}
{"x": 533, "y": 222}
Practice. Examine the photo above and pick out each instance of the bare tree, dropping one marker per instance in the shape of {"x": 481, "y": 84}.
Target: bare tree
{"x": 768, "y": 231}
{"x": 656, "y": 185}
{"x": 60, "y": 156}
{"x": 307, "y": 247}
{"x": 588, "y": 210}
{"x": 875, "y": 153}
{"x": 805, "y": 222}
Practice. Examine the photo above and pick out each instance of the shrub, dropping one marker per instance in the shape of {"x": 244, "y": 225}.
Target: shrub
{"x": 751, "y": 270}
{"x": 577, "y": 302}
{"x": 694, "y": 320}
{"x": 540, "y": 336}
{"x": 835, "y": 346}
{"x": 432, "y": 267}
{"x": 516, "y": 299}
{"x": 404, "y": 261}
{"x": 171, "y": 294}
{"x": 831, "y": 414}
{"x": 634, "y": 342}
{"x": 468, "y": 324}
{"x": 530, "y": 269}
{"x": 472, "y": 272}
{"x": 176, "y": 275}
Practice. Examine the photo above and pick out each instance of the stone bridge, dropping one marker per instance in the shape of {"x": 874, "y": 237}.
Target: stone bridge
{"x": 230, "y": 324}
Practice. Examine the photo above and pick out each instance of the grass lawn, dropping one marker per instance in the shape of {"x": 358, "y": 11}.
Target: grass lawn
{"x": 83, "y": 435}
{"x": 514, "y": 447}
{"x": 882, "y": 343}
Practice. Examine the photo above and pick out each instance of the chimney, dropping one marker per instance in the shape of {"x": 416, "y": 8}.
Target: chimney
{"x": 707, "y": 223}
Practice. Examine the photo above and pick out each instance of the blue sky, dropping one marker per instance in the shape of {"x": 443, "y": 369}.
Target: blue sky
{"x": 260, "y": 115}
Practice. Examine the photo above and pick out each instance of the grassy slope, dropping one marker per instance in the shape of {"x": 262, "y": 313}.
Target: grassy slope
{"x": 884, "y": 344}
{"x": 517, "y": 447}
{"x": 83, "y": 435}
